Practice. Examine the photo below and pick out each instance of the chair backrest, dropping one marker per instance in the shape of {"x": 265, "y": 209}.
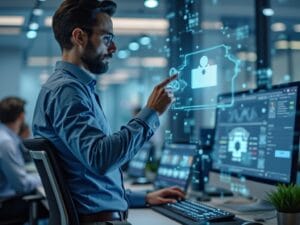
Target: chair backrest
{"x": 61, "y": 206}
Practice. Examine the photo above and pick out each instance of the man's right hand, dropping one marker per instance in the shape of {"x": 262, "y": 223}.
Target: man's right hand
{"x": 161, "y": 96}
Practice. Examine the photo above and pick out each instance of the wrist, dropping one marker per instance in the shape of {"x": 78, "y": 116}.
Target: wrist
{"x": 147, "y": 199}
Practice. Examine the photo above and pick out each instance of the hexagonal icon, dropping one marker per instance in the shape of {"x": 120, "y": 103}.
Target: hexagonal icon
{"x": 203, "y": 75}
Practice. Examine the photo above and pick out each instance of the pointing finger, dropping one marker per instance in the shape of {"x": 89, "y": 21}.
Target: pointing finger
{"x": 167, "y": 81}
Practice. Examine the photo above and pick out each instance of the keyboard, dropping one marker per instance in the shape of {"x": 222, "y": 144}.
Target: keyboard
{"x": 191, "y": 213}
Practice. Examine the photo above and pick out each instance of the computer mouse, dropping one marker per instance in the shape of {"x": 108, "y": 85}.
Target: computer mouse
{"x": 251, "y": 223}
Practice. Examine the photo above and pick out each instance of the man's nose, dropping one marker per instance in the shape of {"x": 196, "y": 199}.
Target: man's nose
{"x": 112, "y": 47}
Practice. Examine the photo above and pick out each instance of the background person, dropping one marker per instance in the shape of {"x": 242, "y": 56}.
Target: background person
{"x": 14, "y": 180}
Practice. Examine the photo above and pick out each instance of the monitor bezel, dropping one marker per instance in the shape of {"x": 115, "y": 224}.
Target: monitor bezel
{"x": 157, "y": 184}
{"x": 295, "y": 149}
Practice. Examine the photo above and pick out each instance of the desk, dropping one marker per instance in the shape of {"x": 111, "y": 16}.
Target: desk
{"x": 147, "y": 216}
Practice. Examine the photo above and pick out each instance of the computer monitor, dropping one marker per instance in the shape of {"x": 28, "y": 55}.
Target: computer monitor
{"x": 175, "y": 166}
{"x": 256, "y": 141}
{"x": 137, "y": 166}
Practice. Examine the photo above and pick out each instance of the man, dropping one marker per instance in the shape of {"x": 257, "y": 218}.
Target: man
{"x": 69, "y": 113}
{"x": 14, "y": 180}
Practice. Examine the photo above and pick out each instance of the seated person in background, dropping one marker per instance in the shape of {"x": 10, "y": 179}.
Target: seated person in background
{"x": 25, "y": 134}
{"x": 14, "y": 180}
{"x": 69, "y": 114}
{"x": 24, "y": 131}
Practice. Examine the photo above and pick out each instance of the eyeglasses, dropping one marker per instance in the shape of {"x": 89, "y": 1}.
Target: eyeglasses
{"x": 107, "y": 39}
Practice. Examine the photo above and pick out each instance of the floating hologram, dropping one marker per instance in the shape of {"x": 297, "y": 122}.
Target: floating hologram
{"x": 207, "y": 73}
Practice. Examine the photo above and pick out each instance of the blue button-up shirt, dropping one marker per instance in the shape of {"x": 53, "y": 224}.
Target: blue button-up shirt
{"x": 14, "y": 180}
{"x": 69, "y": 114}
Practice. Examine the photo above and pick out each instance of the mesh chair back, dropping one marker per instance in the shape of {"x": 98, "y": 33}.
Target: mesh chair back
{"x": 62, "y": 210}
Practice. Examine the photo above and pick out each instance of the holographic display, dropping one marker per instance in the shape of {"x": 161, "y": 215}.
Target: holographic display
{"x": 204, "y": 70}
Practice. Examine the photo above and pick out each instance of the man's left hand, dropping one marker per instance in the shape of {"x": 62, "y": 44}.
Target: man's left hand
{"x": 165, "y": 195}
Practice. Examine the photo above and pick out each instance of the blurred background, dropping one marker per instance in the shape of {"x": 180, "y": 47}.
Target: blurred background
{"x": 152, "y": 36}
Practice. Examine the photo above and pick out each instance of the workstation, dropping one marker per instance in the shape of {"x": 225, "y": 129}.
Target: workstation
{"x": 150, "y": 112}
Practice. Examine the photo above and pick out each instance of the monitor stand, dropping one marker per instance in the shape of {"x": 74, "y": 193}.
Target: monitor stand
{"x": 141, "y": 181}
{"x": 258, "y": 205}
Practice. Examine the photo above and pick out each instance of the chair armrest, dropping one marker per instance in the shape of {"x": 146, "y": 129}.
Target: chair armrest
{"x": 33, "y": 197}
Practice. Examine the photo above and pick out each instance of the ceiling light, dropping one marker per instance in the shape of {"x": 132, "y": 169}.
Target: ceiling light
{"x": 31, "y": 34}
{"x": 150, "y": 62}
{"x": 123, "y": 54}
{"x": 33, "y": 26}
{"x": 133, "y": 26}
{"x": 42, "y": 61}
{"x": 282, "y": 44}
{"x": 295, "y": 45}
{"x": 37, "y": 12}
{"x": 278, "y": 27}
{"x": 151, "y": 3}
{"x": 268, "y": 12}
{"x": 11, "y": 20}
{"x": 145, "y": 40}
{"x": 141, "y": 25}
{"x": 9, "y": 31}
{"x": 297, "y": 27}
{"x": 211, "y": 25}
{"x": 133, "y": 46}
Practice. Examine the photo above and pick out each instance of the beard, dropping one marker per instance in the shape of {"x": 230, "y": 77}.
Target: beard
{"x": 92, "y": 61}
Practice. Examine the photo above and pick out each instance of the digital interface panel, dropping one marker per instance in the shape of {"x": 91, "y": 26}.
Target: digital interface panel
{"x": 255, "y": 136}
{"x": 175, "y": 165}
{"x": 204, "y": 70}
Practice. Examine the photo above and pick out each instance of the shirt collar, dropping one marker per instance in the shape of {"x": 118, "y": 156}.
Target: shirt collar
{"x": 10, "y": 132}
{"x": 83, "y": 75}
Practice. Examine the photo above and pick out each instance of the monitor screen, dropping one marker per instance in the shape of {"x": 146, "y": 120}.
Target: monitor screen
{"x": 137, "y": 165}
{"x": 257, "y": 137}
{"x": 175, "y": 166}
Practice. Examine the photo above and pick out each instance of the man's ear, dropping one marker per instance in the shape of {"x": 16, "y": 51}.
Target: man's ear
{"x": 79, "y": 37}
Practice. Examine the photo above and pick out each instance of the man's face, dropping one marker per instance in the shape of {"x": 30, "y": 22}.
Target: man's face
{"x": 100, "y": 46}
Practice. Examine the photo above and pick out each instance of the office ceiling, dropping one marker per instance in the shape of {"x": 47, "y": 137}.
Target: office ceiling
{"x": 45, "y": 45}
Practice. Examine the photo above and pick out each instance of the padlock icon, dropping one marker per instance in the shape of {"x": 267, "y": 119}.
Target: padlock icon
{"x": 204, "y": 75}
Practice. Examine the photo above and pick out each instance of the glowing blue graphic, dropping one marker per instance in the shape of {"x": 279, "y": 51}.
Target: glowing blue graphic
{"x": 205, "y": 75}
{"x": 176, "y": 85}
{"x": 209, "y": 59}
{"x": 242, "y": 32}
{"x": 238, "y": 143}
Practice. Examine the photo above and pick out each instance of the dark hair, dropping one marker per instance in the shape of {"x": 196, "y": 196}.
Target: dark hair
{"x": 11, "y": 108}
{"x": 78, "y": 13}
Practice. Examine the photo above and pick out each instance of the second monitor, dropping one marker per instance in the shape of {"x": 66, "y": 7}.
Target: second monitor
{"x": 175, "y": 166}
{"x": 256, "y": 141}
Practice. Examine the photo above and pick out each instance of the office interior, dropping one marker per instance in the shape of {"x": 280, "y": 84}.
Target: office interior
{"x": 254, "y": 44}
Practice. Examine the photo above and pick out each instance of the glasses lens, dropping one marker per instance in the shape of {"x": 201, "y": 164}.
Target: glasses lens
{"x": 107, "y": 39}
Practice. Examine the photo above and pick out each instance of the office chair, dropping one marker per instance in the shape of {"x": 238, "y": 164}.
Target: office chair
{"x": 33, "y": 200}
{"x": 62, "y": 210}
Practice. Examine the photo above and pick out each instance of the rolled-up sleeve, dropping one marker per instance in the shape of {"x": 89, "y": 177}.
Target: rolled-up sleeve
{"x": 136, "y": 199}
